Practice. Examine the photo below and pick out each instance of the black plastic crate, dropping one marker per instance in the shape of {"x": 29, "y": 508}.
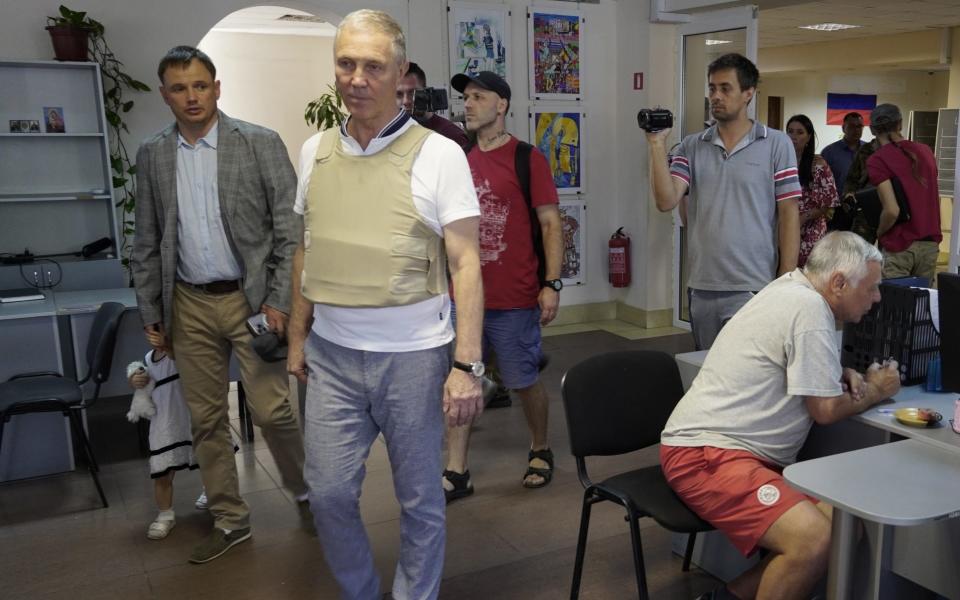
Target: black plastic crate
{"x": 898, "y": 327}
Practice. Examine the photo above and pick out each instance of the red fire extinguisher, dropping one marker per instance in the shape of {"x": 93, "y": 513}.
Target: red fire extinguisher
{"x": 619, "y": 255}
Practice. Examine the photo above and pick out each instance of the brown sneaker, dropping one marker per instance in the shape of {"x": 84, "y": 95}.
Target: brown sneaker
{"x": 217, "y": 543}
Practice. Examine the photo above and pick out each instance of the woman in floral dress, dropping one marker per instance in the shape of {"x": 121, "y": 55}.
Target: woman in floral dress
{"x": 816, "y": 179}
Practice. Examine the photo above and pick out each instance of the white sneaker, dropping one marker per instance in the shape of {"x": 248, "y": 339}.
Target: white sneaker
{"x": 160, "y": 529}
{"x": 201, "y": 502}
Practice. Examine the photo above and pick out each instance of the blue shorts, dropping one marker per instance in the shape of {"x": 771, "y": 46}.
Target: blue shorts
{"x": 514, "y": 336}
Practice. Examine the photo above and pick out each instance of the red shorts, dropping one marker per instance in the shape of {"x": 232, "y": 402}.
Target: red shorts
{"x": 734, "y": 490}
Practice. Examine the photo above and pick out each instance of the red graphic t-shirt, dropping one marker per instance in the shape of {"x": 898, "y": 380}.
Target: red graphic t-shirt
{"x": 507, "y": 258}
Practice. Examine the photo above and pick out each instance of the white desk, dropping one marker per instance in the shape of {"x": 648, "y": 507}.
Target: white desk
{"x": 30, "y": 341}
{"x": 902, "y": 484}
{"x": 51, "y": 335}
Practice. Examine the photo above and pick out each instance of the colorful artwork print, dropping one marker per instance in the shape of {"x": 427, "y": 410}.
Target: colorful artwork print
{"x": 479, "y": 39}
{"x": 556, "y": 54}
{"x": 559, "y": 136}
{"x": 573, "y": 217}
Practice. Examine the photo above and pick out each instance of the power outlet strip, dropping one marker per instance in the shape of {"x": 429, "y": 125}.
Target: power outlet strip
{"x": 17, "y": 259}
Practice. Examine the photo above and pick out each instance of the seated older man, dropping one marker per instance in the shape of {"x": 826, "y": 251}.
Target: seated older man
{"x": 773, "y": 371}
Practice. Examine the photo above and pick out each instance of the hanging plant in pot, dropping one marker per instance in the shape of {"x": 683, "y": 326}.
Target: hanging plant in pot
{"x": 70, "y": 34}
{"x": 116, "y": 104}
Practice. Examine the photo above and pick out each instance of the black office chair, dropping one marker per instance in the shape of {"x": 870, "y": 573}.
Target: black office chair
{"x": 618, "y": 403}
{"x": 51, "y": 392}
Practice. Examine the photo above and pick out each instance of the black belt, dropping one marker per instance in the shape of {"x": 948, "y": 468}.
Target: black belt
{"x": 215, "y": 287}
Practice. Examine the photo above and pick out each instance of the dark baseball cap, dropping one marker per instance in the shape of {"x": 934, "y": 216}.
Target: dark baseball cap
{"x": 488, "y": 80}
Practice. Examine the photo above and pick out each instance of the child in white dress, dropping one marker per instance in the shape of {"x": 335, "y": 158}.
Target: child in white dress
{"x": 171, "y": 445}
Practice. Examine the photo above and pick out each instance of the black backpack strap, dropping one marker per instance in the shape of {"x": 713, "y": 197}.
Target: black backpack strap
{"x": 521, "y": 164}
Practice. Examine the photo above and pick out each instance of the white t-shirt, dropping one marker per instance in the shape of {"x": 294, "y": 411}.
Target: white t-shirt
{"x": 443, "y": 192}
{"x": 749, "y": 395}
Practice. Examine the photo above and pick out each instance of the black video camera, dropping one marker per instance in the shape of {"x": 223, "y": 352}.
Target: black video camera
{"x": 654, "y": 119}
{"x": 429, "y": 100}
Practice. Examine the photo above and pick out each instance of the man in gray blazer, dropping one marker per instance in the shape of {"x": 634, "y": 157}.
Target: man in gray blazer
{"x": 215, "y": 232}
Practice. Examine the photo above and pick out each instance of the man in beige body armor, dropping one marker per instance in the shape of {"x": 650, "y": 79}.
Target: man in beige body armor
{"x": 387, "y": 205}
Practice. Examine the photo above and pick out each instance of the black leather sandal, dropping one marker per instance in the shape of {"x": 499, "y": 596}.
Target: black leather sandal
{"x": 546, "y": 455}
{"x": 461, "y": 485}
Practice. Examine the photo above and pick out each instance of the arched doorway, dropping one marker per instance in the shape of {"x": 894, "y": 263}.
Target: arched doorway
{"x": 271, "y": 61}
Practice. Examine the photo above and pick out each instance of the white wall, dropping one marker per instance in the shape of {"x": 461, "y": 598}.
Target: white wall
{"x": 806, "y": 93}
{"x": 618, "y": 42}
{"x": 269, "y": 79}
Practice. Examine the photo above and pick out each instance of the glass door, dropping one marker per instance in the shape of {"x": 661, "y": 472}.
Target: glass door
{"x": 706, "y": 37}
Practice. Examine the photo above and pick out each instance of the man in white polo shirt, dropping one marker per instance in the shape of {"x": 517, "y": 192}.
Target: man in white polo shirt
{"x": 743, "y": 222}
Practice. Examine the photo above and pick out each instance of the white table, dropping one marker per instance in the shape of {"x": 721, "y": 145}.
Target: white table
{"x": 51, "y": 335}
{"x": 901, "y": 484}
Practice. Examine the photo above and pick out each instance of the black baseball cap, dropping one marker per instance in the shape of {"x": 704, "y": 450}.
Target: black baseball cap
{"x": 488, "y": 80}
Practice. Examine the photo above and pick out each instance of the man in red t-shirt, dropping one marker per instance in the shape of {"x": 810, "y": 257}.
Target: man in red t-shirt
{"x": 516, "y": 301}
{"x": 910, "y": 248}
{"x": 414, "y": 80}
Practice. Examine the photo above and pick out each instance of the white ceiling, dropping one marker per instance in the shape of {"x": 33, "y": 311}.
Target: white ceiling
{"x": 265, "y": 20}
{"x": 780, "y": 26}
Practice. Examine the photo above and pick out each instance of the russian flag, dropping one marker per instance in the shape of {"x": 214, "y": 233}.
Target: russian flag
{"x": 839, "y": 105}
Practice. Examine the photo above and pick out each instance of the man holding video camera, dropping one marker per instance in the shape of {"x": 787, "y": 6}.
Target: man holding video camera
{"x": 434, "y": 98}
{"x": 742, "y": 189}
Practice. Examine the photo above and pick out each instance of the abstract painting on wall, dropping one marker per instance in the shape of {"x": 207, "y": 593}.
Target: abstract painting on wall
{"x": 555, "y": 54}
{"x": 559, "y": 134}
{"x": 573, "y": 219}
{"x": 479, "y": 38}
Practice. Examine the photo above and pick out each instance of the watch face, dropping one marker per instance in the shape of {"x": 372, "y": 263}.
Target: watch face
{"x": 477, "y": 369}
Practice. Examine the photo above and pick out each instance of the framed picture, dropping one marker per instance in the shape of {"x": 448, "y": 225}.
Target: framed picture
{"x": 15, "y": 126}
{"x": 559, "y": 134}
{"x": 573, "y": 219}
{"x": 555, "y": 54}
{"x": 479, "y": 38}
{"x": 33, "y": 126}
{"x": 53, "y": 119}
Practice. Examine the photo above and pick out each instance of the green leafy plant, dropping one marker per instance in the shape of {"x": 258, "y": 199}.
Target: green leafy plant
{"x": 73, "y": 18}
{"x": 326, "y": 111}
{"x": 116, "y": 83}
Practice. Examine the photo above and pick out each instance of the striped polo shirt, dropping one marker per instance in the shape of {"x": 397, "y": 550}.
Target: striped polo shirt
{"x": 732, "y": 205}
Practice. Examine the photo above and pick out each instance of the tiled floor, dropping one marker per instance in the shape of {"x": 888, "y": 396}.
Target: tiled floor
{"x": 504, "y": 542}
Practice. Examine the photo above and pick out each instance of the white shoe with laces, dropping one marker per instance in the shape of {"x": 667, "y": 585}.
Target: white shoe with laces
{"x": 201, "y": 502}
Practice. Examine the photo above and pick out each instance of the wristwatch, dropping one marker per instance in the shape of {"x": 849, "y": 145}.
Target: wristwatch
{"x": 554, "y": 284}
{"x": 475, "y": 368}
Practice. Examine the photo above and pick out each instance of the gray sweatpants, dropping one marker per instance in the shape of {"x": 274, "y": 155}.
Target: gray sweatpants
{"x": 710, "y": 311}
{"x": 352, "y": 395}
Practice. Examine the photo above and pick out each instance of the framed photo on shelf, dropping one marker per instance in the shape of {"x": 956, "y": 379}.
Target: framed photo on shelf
{"x": 554, "y": 38}
{"x": 53, "y": 119}
{"x": 559, "y": 134}
{"x": 479, "y": 38}
{"x": 33, "y": 126}
{"x": 16, "y": 126}
{"x": 573, "y": 220}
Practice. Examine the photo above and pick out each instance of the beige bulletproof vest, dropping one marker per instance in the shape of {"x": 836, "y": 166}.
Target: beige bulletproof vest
{"x": 365, "y": 243}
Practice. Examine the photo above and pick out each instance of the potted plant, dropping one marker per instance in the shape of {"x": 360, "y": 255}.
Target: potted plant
{"x": 115, "y": 84}
{"x": 326, "y": 111}
{"x": 70, "y": 34}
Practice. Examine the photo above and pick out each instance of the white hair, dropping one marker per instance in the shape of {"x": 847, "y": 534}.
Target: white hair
{"x": 377, "y": 20}
{"x": 843, "y": 252}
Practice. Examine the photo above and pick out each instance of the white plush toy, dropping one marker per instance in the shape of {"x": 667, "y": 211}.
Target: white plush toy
{"x": 142, "y": 405}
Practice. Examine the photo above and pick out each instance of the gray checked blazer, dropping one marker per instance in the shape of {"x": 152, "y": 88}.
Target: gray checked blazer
{"x": 257, "y": 186}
